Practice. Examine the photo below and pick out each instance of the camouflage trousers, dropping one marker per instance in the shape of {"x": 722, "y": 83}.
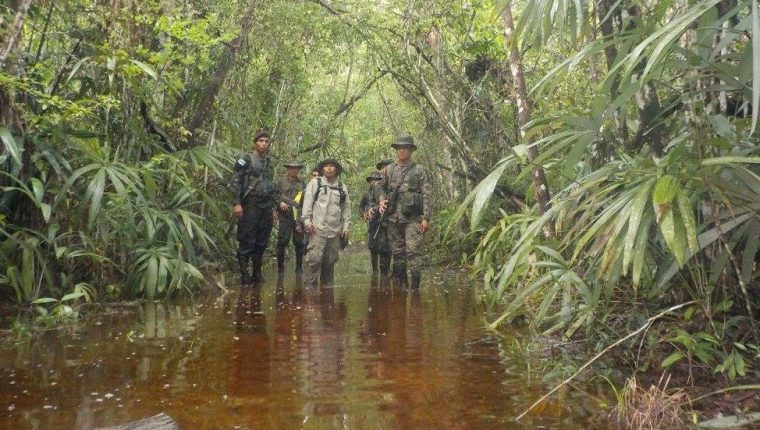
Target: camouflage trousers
{"x": 321, "y": 256}
{"x": 406, "y": 244}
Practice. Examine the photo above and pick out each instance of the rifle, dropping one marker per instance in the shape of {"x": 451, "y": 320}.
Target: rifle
{"x": 379, "y": 223}
{"x": 392, "y": 201}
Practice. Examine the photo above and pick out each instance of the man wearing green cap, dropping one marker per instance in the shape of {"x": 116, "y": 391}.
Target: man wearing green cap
{"x": 290, "y": 189}
{"x": 405, "y": 203}
{"x": 327, "y": 220}
{"x": 253, "y": 199}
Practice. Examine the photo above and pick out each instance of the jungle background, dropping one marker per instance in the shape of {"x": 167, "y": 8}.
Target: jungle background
{"x": 594, "y": 163}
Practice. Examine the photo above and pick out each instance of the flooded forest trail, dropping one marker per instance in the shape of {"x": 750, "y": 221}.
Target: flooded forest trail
{"x": 362, "y": 354}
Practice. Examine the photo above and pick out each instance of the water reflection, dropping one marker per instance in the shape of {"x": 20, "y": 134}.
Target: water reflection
{"x": 361, "y": 354}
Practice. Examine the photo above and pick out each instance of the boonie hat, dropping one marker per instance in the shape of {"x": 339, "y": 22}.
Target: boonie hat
{"x": 334, "y": 162}
{"x": 404, "y": 141}
{"x": 293, "y": 163}
{"x": 383, "y": 163}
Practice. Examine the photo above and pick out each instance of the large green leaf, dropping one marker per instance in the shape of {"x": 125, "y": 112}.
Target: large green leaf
{"x": 11, "y": 146}
{"x": 665, "y": 190}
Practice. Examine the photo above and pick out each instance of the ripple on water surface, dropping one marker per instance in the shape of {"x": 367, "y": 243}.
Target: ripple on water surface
{"x": 361, "y": 354}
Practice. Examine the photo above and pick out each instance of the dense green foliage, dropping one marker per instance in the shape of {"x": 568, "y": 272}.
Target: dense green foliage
{"x": 654, "y": 180}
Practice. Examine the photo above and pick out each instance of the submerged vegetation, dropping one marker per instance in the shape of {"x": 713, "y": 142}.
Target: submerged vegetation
{"x": 596, "y": 162}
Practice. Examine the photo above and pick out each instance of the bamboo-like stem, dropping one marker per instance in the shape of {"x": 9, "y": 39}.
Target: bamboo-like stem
{"x": 646, "y": 325}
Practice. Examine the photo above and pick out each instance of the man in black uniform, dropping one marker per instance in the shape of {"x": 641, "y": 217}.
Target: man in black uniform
{"x": 254, "y": 198}
{"x": 290, "y": 190}
{"x": 377, "y": 235}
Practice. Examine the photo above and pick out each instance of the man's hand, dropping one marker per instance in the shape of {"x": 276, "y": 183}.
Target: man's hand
{"x": 299, "y": 228}
{"x": 344, "y": 233}
{"x": 383, "y": 205}
{"x": 284, "y": 206}
{"x": 424, "y": 226}
{"x": 310, "y": 229}
{"x": 237, "y": 211}
{"x": 368, "y": 214}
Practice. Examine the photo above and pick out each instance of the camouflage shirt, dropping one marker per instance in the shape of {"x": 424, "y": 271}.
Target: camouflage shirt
{"x": 370, "y": 199}
{"x": 407, "y": 189}
{"x": 287, "y": 192}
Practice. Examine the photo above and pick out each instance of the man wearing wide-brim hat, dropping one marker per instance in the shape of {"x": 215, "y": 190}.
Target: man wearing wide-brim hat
{"x": 327, "y": 220}
{"x": 405, "y": 202}
{"x": 377, "y": 236}
{"x": 290, "y": 189}
{"x": 382, "y": 164}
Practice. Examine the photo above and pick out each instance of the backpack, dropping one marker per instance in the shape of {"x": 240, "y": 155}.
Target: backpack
{"x": 341, "y": 190}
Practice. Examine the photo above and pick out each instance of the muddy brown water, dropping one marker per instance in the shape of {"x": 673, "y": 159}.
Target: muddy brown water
{"x": 358, "y": 355}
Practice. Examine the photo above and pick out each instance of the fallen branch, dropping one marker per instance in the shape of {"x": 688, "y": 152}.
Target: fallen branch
{"x": 646, "y": 325}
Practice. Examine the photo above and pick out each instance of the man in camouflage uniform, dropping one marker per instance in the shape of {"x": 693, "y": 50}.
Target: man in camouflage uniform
{"x": 406, "y": 206}
{"x": 377, "y": 232}
{"x": 327, "y": 219}
{"x": 290, "y": 191}
{"x": 253, "y": 201}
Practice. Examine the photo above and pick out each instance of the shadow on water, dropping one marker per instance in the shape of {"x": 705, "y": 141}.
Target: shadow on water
{"x": 361, "y": 354}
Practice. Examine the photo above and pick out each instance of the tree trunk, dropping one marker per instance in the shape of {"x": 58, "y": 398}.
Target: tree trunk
{"x": 434, "y": 41}
{"x": 520, "y": 96}
{"x": 604, "y": 9}
{"x": 226, "y": 61}
{"x": 15, "y": 31}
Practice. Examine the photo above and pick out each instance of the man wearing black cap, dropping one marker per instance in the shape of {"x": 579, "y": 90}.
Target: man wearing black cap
{"x": 327, "y": 219}
{"x": 254, "y": 198}
{"x": 377, "y": 234}
{"x": 290, "y": 189}
{"x": 406, "y": 206}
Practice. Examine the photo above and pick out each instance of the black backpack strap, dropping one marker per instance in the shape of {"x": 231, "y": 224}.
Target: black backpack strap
{"x": 319, "y": 188}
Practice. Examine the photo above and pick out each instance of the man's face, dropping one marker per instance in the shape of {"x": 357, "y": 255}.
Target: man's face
{"x": 261, "y": 145}
{"x": 314, "y": 174}
{"x": 292, "y": 172}
{"x": 403, "y": 153}
{"x": 329, "y": 170}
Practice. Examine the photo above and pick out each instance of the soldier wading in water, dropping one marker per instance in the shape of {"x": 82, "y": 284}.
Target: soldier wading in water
{"x": 405, "y": 204}
{"x": 290, "y": 189}
{"x": 327, "y": 220}
{"x": 377, "y": 232}
{"x": 254, "y": 199}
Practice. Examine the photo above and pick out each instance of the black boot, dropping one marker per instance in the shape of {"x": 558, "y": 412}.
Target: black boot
{"x": 399, "y": 272}
{"x": 245, "y": 278}
{"x": 280, "y": 261}
{"x": 416, "y": 275}
{"x": 385, "y": 265}
{"x": 256, "y": 277}
{"x": 299, "y": 263}
{"x": 375, "y": 259}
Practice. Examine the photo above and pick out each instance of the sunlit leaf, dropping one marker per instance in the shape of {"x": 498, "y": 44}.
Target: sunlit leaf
{"x": 150, "y": 71}
{"x": 11, "y": 146}
{"x": 665, "y": 190}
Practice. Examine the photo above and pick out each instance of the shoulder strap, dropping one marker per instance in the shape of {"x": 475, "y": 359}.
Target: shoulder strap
{"x": 342, "y": 192}
{"x": 319, "y": 188}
